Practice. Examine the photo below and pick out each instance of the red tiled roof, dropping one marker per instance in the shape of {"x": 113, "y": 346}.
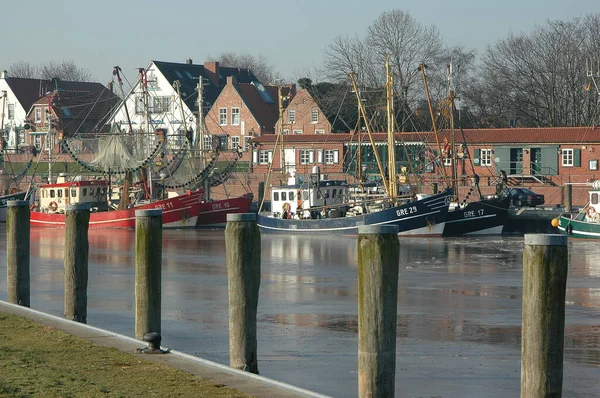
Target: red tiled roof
{"x": 546, "y": 135}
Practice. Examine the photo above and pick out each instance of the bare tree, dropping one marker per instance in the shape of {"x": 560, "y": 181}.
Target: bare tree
{"x": 258, "y": 65}
{"x": 23, "y": 69}
{"x": 64, "y": 70}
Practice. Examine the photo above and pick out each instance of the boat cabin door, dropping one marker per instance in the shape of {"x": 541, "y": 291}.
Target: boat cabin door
{"x": 289, "y": 155}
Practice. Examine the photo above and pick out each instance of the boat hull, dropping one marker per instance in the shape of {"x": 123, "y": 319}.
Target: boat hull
{"x": 4, "y": 201}
{"x": 570, "y": 226}
{"x": 425, "y": 217}
{"x": 483, "y": 217}
{"x": 214, "y": 214}
{"x": 178, "y": 212}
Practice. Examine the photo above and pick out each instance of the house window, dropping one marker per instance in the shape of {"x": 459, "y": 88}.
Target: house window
{"x": 291, "y": 116}
{"x": 159, "y": 104}
{"x": 486, "y": 157}
{"x": 11, "y": 111}
{"x": 307, "y": 157}
{"x": 223, "y": 116}
{"x": 567, "y": 157}
{"x": 139, "y": 105}
{"x": 235, "y": 142}
{"x": 21, "y": 137}
{"x": 264, "y": 157}
{"x": 447, "y": 161}
{"x": 286, "y": 131}
{"x": 330, "y": 156}
{"x": 38, "y": 115}
{"x": 247, "y": 142}
{"x": 297, "y": 131}
{"x": 235, "y": 116}
{"x": 207, "y": 144}
{"x": 320, "y": 131}
{"x": 314, "y": 116}
{"x": 37, "y": 142}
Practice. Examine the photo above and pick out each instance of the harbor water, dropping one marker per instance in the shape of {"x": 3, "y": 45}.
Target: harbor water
{"x": 459, "y": 307}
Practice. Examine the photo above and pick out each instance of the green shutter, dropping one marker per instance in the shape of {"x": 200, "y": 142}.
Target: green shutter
{"x": 577, "y": 157}
{"x": 477, "y": 156}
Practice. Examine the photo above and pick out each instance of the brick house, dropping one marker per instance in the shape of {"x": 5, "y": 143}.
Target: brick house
{"x": 71, "y": 108}
{"x": 304, "y": 116}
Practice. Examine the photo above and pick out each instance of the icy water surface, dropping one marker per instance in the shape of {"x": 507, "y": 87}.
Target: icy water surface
{"x": 459, "y": 307}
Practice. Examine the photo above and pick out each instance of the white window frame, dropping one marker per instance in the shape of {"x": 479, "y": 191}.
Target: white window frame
{"x": 139, "y": 105}
{"x": 235, "y": 116}
{"x": 568, "y": 157}
{"x": 286, "y": 131}
{"x": 447, "y": 161}
{"x": 265, "y": 157}
{"x": 208, "y": 139}
{"x": 222, "y": 116}
{"x": 11, "y": 111}
{"x": 314, "y": 116}
{"x": 291, "y": 116}
{"x": 37, "y": 142}
{"x": 320, "y": 131}
{"x": 297, "y": 131}
{"x": 485, "y": 157}
{"x": 38, "y": 115}
{"x": 247, "y": 140}
{"x": 235, "y": 142}
{"x": 307, "y": 156}
{"x": 330, "y": 156}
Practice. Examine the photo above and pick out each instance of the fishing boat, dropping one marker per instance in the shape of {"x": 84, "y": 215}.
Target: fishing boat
{"x": 584, "y": 223}
{"x": 473, "y": 214}
{"x": 213, "y": 213}
{"x": 332, "y": 206}
{"x": 179, "y": 211}
{"x": 17, "y": 195}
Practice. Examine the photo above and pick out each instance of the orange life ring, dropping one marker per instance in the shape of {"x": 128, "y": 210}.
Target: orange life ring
{"x": 591, "y": 212}
{"x": 52, "y": 206}
{"x": 286, "y": 207}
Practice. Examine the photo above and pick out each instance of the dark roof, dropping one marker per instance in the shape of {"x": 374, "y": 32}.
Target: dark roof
{"x": 82, "y": 105}
{"x": 263, "y": 102}
{"x": 188, "y": 75}
{"x": 28, "y": 91}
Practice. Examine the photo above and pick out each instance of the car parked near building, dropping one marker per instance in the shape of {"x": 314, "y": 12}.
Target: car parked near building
{"x": 525, "y": 197}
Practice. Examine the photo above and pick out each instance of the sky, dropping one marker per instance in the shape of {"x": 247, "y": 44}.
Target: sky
{"x": 291, "y": 35}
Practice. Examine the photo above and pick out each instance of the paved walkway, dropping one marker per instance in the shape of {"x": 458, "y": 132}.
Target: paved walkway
{"x": 243, "y": 381}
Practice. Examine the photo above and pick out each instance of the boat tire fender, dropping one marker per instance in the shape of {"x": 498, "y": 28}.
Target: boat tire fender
{"x": 591, "y": 212}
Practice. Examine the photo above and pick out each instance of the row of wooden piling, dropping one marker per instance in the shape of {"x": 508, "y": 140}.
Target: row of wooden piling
{"x": 545, "y": 260}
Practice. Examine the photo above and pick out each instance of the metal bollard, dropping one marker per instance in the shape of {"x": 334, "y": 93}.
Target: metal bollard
{"x": 378, "y": 264}
{"x": 545, "y": 264}
{"x": 148, "y": 264}
{"x": 77, "y": 222}
{"x": 17, "y": 252}
{"x": 242, "y": 246}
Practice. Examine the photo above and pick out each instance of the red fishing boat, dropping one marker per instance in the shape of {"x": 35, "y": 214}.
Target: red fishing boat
{"x": 179, "y": 211}
{"x": 214, "y": 213}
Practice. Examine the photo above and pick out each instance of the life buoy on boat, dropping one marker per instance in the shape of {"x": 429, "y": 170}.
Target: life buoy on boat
{"x": 286, "y": 210}
{"x": 53, "y": 206}
{"x": 591, "y": 212}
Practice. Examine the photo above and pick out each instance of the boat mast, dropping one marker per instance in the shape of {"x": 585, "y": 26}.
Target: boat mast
{"x": 390, "y": 129}
{"x": 283, "y": 166}
{"x": 422, "y": 68}
{"x": 2, "y": 124}
{"x": 364, "y": 115}
{"x": 453, "y": 165}
{"x": 124, "y": 199}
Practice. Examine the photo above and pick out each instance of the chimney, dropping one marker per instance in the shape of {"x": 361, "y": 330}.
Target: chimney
{"x": 212, "y": 69}
{"x": 4, "y": 75}
{"x": 188, "y": 61}
{"x": 231, "y": 80}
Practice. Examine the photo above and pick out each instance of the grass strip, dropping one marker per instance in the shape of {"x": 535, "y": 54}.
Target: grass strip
{"x": 40, "y": 361}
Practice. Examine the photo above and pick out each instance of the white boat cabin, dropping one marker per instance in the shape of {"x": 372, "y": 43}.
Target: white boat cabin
{"x": 54, "y": 198}
{"x": 308, "y": 200}
{"x": 592, "y": 211}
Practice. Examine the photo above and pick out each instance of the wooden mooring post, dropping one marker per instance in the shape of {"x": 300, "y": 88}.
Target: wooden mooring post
{"x": 378, "y": 263}
{"x": 148, "y": 264}
{"x": 545, "y": 263}
{"x": 568, "y": 197}
{"x": 17, "y": 252}
{"x": 242, "y": 247}
{"x": 77, "y": 221}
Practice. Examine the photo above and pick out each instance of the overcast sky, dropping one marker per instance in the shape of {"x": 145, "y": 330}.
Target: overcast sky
{"x": 291, "y": 34}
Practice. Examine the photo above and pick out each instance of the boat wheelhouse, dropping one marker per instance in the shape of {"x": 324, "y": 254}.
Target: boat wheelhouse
{"x": 54, "y": 198}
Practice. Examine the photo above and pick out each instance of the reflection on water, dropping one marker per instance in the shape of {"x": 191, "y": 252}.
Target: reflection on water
{"x": 456, "y": 296}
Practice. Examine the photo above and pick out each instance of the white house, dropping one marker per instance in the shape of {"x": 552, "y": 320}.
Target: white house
{"x": 154, "y": 103}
